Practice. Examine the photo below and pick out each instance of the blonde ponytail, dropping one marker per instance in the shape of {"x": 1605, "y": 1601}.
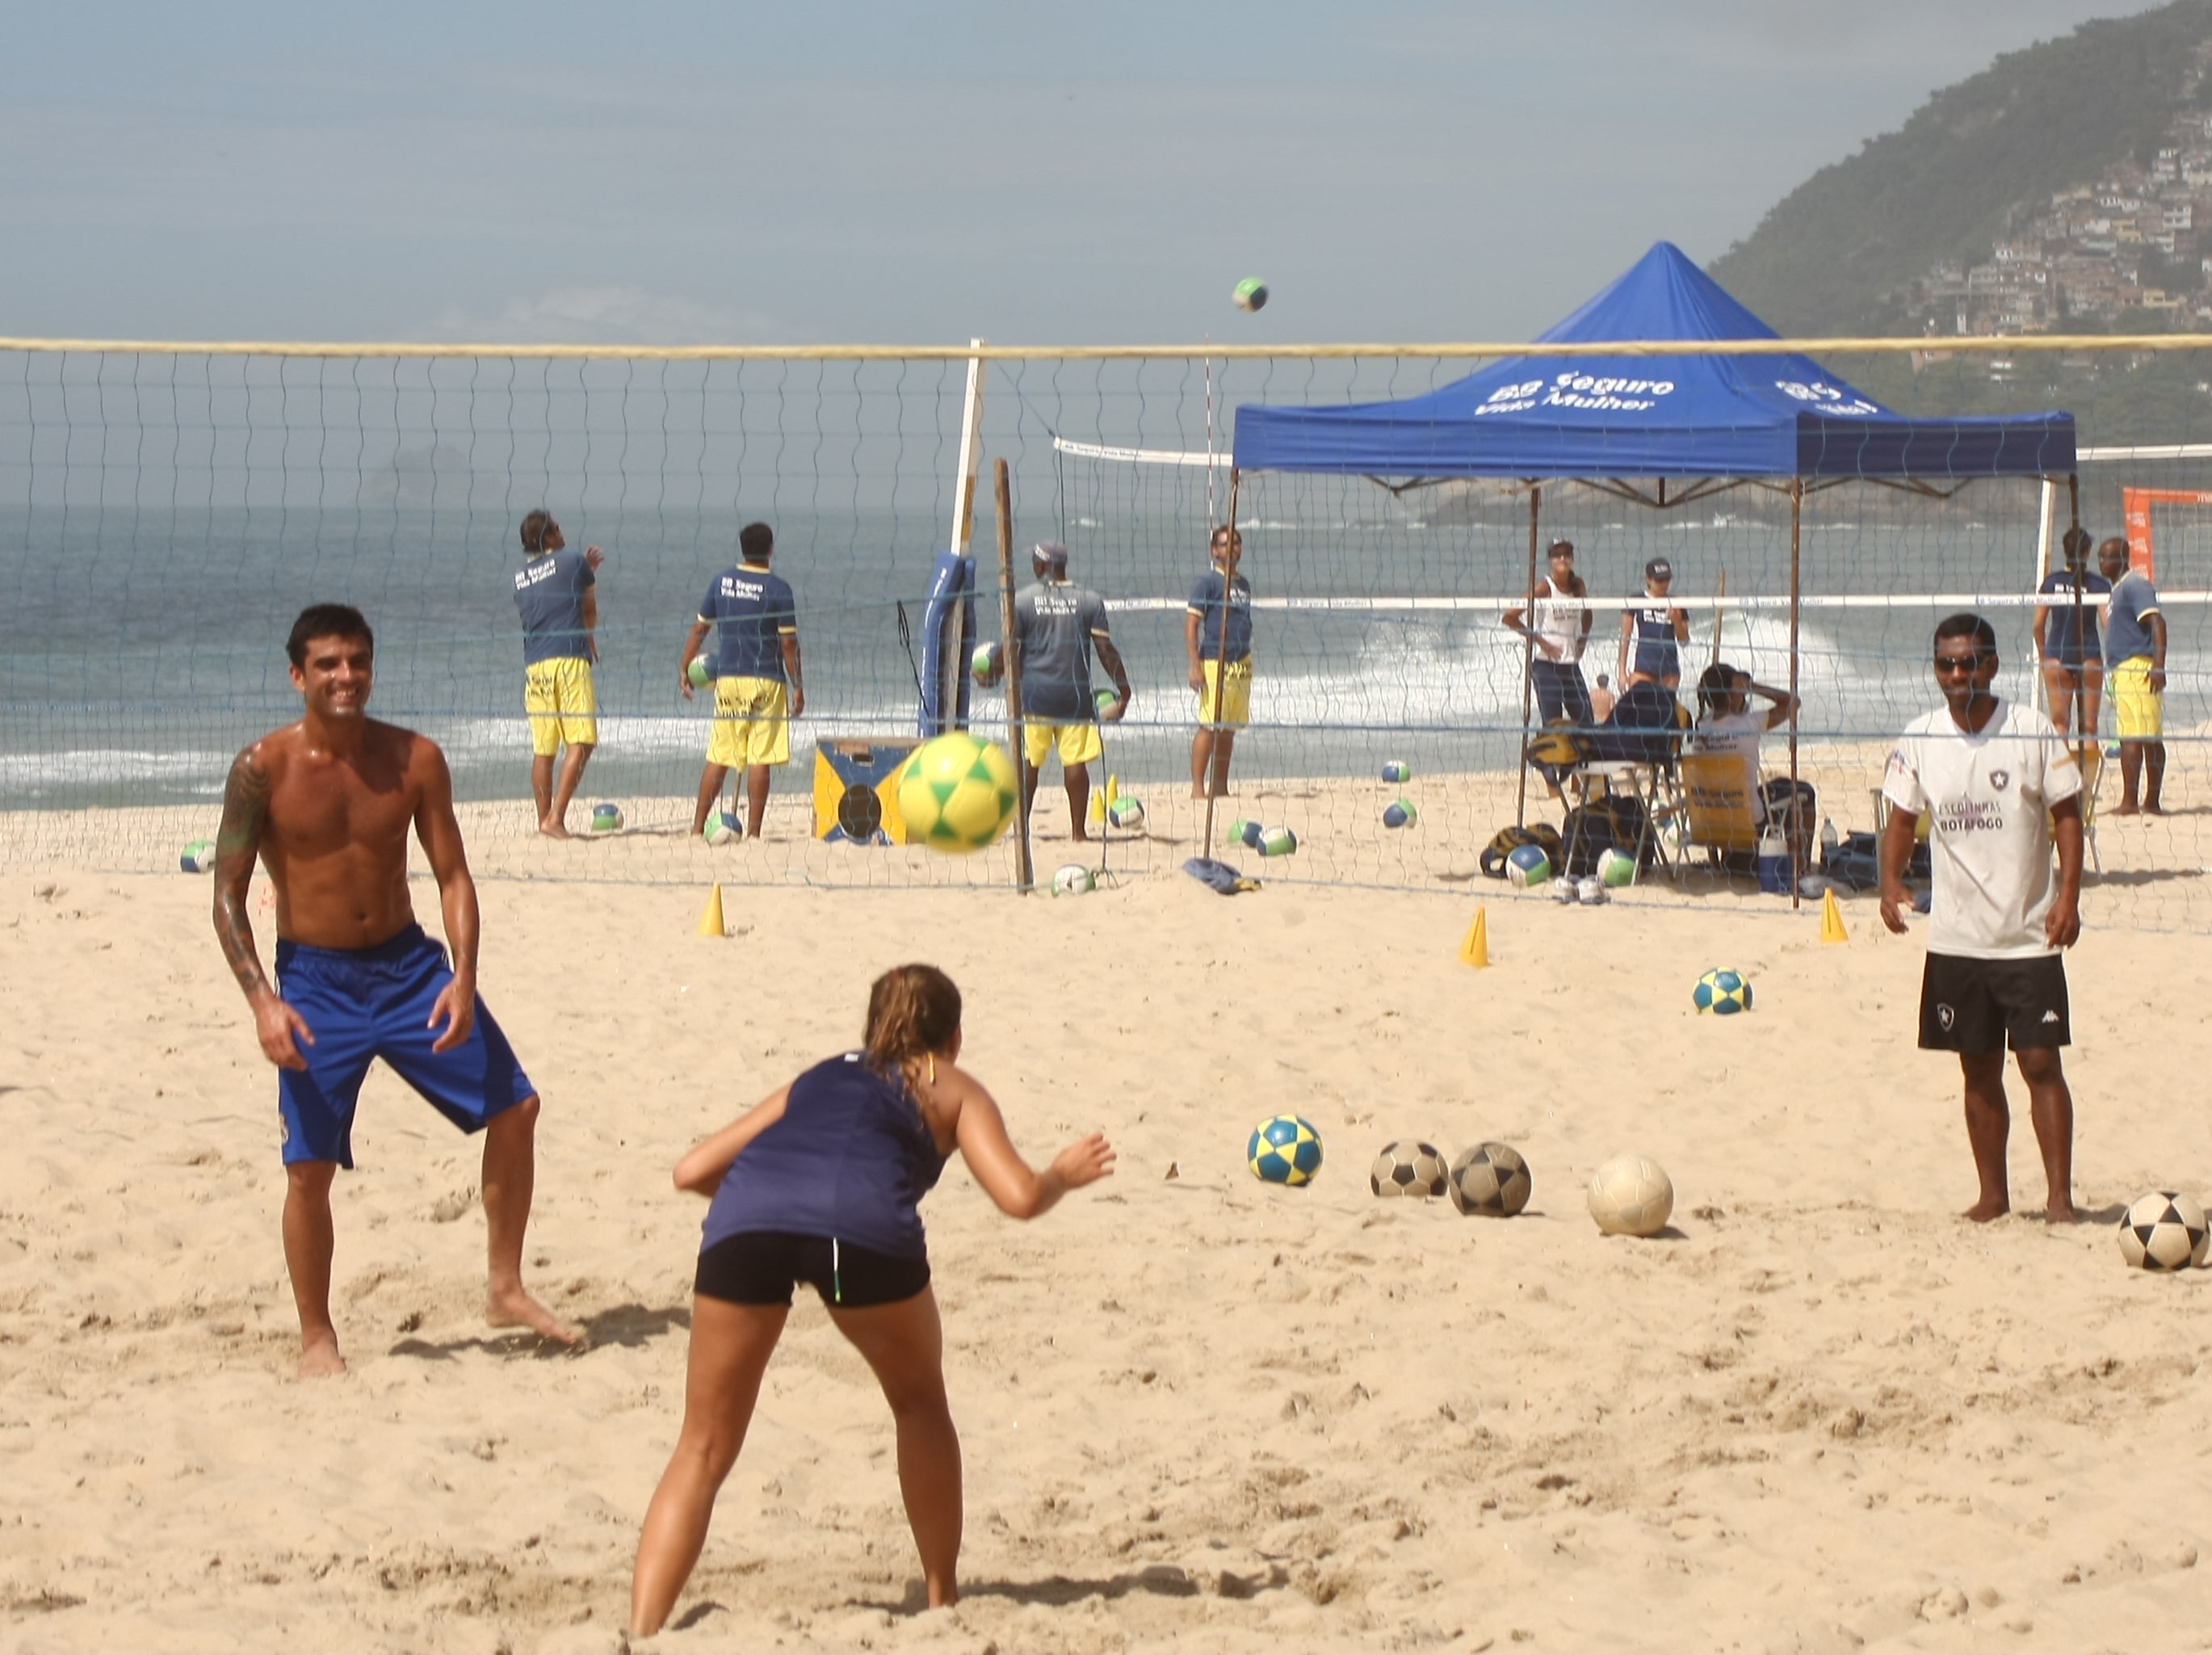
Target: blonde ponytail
{"x": 913, "y": 1010}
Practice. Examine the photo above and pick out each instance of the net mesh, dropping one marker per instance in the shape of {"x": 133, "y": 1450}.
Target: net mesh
{"x": 164, "y": 515}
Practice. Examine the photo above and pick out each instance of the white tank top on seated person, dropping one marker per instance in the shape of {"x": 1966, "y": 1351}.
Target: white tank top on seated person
{"x": 1559, "y": 620}
{"x": 1990, "y": 839}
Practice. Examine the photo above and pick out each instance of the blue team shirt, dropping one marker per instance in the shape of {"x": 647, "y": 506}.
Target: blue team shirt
{"x": 850, "y": 1160}
{"x": 1656, "y": 651}
{"x": 2134, "y": 600}
{"x": 2058, "y": 640}
{"x": 1206, "y": 603}
{"x": 755, "y": 611}
{"x": 548, "y": 592}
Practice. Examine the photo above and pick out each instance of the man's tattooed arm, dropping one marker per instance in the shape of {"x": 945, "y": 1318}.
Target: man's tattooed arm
{"x": 244, "y": 810}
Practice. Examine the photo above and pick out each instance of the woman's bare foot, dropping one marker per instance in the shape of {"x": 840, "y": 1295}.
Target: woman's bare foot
{"x": 553, "y": 830}
{"x": 515, "y": 1308}
{"x": 320, "y": 1358}
{"x": 1986, "y": 1211}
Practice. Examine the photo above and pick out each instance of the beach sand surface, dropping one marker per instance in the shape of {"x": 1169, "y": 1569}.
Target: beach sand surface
{"x": 1819, "y": 1413}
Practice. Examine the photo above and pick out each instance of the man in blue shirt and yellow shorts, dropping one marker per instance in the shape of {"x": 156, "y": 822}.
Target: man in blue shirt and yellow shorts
{"x": 2135, "y": 677}
{"x": 1058, "y": 625}
{"x": 1217, "y": 634}
{"x": 759, "y": 686}
{"x": 554, "y": 593}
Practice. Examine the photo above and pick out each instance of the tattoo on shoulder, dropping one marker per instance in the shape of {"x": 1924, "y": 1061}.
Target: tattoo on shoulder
{"x": 244, "y": 809}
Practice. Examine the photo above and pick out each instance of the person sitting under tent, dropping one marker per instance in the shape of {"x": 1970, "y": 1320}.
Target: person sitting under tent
{"x": 1729, "y": 724}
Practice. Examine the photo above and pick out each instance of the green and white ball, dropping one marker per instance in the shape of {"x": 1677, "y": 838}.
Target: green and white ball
{"x": 1399, "y": 812}
{"x": 197, "y": 857}
{"x": 984, "y": 663}
{"x": 1527, "y": 867}
{"x": 700, "y": 672}
{"x": 1074, "y": 880}
{"x": 1245, "y": 833}
{"x": 1251, "y": 293}
{"x": 606, "y": 818}
{"x": 1397, "y": 771}
{"x": 722, "y": 828}
{"x": 957, "y": 794}
{"x": 1127, "y": 814}
{"x": 1615, "y": 868}
{"x": 1278, "y": 841}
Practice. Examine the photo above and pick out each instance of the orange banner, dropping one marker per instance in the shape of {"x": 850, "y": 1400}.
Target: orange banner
{"x": 2136, "y": 504}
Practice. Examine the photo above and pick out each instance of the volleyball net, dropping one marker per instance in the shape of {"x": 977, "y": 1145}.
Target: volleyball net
{"x": 164, "y": 514}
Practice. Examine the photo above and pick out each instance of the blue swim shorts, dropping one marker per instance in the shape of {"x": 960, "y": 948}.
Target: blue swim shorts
{"x": 366, "y": 1003}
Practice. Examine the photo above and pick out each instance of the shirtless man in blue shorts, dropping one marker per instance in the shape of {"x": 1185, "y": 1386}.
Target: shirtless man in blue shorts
{"x": 325, "y": 804}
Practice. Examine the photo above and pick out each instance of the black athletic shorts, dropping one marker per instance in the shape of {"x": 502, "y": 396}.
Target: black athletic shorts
{"x": 762, "y": 1267}
{"x": 1975, "y": 1006}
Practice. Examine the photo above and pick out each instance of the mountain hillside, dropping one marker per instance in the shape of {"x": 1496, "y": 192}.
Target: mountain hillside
{"x": 1842, "y": 253}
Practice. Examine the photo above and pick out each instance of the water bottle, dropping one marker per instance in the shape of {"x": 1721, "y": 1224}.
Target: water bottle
{"x": 1831, "y": 841}
{"x": 1773, "y": 862}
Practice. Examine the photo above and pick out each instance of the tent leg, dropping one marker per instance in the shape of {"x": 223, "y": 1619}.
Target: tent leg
{"x": 1527, "y": 657}
{"x": 1796, "y": 512}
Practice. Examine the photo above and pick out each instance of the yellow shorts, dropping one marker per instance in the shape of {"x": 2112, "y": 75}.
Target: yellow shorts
{"x": 752, "y": 722}
{"x": 1226, "y": 707}
{"x": 1078, "y": 743}
{"x": 2140, "y": 709}
{"x": 557, "y": 696}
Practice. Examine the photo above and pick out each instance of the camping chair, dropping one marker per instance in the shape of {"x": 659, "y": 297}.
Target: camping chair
{"x": 1722, "y": 817}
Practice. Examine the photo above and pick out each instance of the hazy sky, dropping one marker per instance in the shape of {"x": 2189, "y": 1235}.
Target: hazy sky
{"x": 916, "y": 173}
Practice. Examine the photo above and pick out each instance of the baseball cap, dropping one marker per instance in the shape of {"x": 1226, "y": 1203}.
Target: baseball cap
{"x": 1050, "y": 551}
{"x": 1558, "y": 546}
{"x": 1658, "y": 569}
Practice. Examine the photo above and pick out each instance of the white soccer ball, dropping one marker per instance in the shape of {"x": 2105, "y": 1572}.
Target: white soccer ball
{"x": 1074, "y": 880}
{"x": 1632, "y": 1195}
{"x": 2164, "y": 1231}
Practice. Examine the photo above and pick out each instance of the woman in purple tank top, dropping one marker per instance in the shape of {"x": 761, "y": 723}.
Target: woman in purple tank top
{"x": 818, "y": 1183}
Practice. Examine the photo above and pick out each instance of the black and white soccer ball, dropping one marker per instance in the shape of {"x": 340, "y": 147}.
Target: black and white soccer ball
{"x": 2164, "y": 1232}
{"x": 1409, "y": 1167}
{"x": 1490, "y": 1180}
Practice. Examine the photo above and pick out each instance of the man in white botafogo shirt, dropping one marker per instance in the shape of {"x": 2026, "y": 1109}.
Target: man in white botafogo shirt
{"x": 2000, "y": 784}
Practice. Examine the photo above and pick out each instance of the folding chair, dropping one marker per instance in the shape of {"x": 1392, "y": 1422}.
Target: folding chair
{"x": 1722, "y": 817}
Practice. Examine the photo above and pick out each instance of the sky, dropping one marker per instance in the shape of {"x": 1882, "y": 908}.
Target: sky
{"x": 919, "y": 173}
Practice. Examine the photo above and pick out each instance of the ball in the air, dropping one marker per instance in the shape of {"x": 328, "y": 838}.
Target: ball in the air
{"x": 1284, "y": 1149}
{"x": 1397, "y": 770}
{"x": 606, "y": 818}
{"x": 1615, "y": 868}
{"x": 1072, "y": 880}
{"x": 1127, "y": 814}
{"x": 957, "y": 792}
{"x": 1632, "y": 1195}
{"x": 699, "y": 672}
{"x": 1409, "y": 1167}
{"x": 984, "y": 663}
{"x": 1399, "y": 812}
{"x": 1242, "y": 832}
{"x": 197, "y": 857}
{"x": 2164, "y": 1232}
{"x": 1527, "y": 867}
{"x": 1723, "y": 993}
{"x": 1251, "y": 293}
{"x": 1490, "y": 1180}
{"x": 1278, "y": 841}
{"x": 722, "y": 828}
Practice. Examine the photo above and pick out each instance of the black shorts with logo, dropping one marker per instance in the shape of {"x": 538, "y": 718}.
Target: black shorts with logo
{"x": 1975, "y": 1006}
{"x": 762, "y": 1267}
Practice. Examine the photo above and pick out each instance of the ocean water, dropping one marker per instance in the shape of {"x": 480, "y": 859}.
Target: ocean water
{"x": 141, "y": 648}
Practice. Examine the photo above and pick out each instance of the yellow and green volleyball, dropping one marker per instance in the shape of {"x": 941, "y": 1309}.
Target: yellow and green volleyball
{"x": 957, "y": 794}
{"x": 1284, "y": 1149}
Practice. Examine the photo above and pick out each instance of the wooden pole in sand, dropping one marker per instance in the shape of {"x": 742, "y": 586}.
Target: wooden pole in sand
{"x": 2079, "y": 720}
{"x": 1528, "y": 657}
{"x": 1220, "y": 668}
{"x": 1025, "y": 878}
{"x": 1789, "y": 823}
{"x": 1720, "y": 603}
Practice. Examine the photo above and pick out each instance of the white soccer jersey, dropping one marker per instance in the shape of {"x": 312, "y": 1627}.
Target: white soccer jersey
{"x": 1990, "y": 839}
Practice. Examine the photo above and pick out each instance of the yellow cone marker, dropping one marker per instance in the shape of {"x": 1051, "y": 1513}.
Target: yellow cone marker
{"x": 1831, "y": 920}
{"x": 710, "y": 921}
{"x": 1475, "y": 950}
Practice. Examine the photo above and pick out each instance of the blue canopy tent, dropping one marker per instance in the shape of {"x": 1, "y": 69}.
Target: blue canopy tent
{"x": 1633, "y": 425}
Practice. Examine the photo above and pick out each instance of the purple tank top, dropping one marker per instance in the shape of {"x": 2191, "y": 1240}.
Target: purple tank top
{"x": 849, "y": 1161}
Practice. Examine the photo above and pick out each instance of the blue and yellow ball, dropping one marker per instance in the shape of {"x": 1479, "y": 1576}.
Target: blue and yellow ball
{"x": 1284, "y": 1149}
{"x": 1722, "y": 993}
{"x": 957, "y": 794}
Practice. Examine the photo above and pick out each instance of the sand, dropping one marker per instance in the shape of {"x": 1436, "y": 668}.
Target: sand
{"x": 1819, "y": 1413}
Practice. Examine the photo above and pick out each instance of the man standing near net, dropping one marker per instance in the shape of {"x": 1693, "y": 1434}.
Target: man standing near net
{"x": 1999, "y": 785}
{"x": 554, "y": 592}
{"x": 1057, "y": 626}
{"x": 1217, "y": 634}
{"x": 759, "y": 687}
{"x": 326, "y": 805}
{"x": 2135, "y": 670}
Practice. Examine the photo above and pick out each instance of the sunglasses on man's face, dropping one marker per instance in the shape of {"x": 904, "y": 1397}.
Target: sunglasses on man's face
{"x": 1961, "y": 663}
